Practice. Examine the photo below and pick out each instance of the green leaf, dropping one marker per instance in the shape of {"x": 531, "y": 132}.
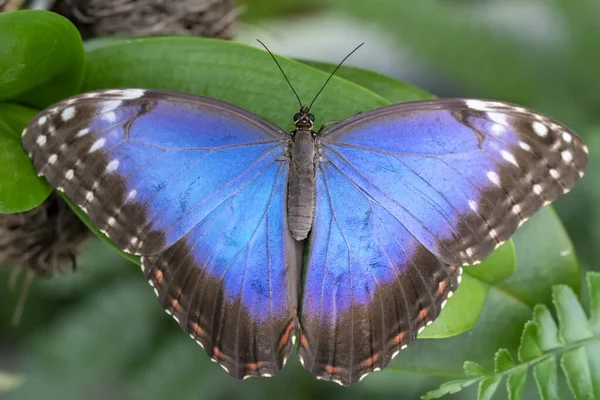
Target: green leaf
{"x": 530, "y": 346}
{"x": 232, "y": 72}
{"x": 571, "y": 317}
{"x": 474, "y": 369}
{"x": 580, "y": 353}
{"x": 20, "y": 188}
{"x": 457, "y": 317}
{"x": 515, "y": 384}
{"x": 390, "y": 89}
{"x": 487, "y": 387}
{"x": 503, "y": 361}
{"x": 546, "y": 379}
{"x": 449, "y": 387}
{"x": 594, "y": 290}
{"x": 545, "y": 257}
{"x": 42, "y": 57}
{"x": 9, "y": 382}
{"x": 549, "y": 337}
{"x": 497, "y": 267}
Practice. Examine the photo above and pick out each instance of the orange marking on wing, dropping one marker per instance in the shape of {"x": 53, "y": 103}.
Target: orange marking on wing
{"x": 217, "y": 352}
{"x": 286, "y": 334}
{"x": 442, "y": 287}
{"x": 330, "y": 369}
{"x": 149, "y": 258}
{"x": 303, "y": 340}
{"x": 197, "y": 330}
{"x": 399, "y": 338}
{"x": 371, "y": 361}
{"x": 254, "y": 366}
{"x": 175, "y": 304}
{"x": 158, "y": 275}
{"x": 422, "y": 314}
{"x": 453, "y": 268}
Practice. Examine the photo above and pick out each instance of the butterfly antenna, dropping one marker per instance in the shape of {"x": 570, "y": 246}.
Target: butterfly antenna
{"x": 281, "y": 69}
{"x": 333, "y": 73}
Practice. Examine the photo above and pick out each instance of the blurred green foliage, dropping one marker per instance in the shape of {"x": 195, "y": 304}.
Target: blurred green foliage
{"x": 101, "y": 334}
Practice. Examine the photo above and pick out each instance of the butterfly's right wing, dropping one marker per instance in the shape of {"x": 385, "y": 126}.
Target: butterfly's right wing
{"x": 197, "y": 187}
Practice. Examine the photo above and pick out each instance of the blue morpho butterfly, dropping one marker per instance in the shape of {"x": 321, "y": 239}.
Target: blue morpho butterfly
{"x": 221, "y": 204}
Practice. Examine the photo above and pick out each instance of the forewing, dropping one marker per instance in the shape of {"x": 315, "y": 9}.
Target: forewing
{"x": 460, "y": 175}
{"x": 197, "y": 187}
{"x": 406, "y": 195}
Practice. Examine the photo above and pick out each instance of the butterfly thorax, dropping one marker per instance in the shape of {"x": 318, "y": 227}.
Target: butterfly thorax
{"x": 301, "y": 183}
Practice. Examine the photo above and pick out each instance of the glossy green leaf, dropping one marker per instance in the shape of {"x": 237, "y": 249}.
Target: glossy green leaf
{"x": 42, "y": 57}
{"x": 546, "y": 379}
{"x": 456, "y": 316}
{"x": 545, "y": 257}
{"x": 390, "y": 89}
{"x": 20, "y": 187}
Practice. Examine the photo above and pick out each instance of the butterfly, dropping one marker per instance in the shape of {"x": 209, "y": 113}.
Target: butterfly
{"x": 351, "y": 238}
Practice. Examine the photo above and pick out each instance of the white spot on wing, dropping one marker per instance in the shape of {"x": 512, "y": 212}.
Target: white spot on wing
{"x": 567, "y": 156}
{"x": 52, "y": 159}
{"x": 131, "y": 195}
{"x": 82, "y": 132}
{"x": 98, "y": 144}
{"x": 567, "y": 137}
{"x": 69, "y": 175}
{"x": 516, "y": 209}
{"x": 42, "y": 120}
{"x": 477, "y": 105}
{"x": 110, "y": 116}
{"x": 89, "y": 196}
{"x": 473, "y": 205}
{"x": 524, "y": 146}
{"x": 68, "y": 113}
{"x": 498, "y": 118}
{"x": 112, "y": 166}
{"x": 509, "y": 157}
{"x": 540, "y": 129}
{"x": 111, "y": 221}
{"x": 537, "y": 189}
{"x": 554, "y": 173}
{"x": 110, "y": 105}
{"x": 493, "y": 177}
{"x": 41, "y": 140}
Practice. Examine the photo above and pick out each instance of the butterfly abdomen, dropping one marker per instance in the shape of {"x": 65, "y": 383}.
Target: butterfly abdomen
{"x": 301, "y": 184}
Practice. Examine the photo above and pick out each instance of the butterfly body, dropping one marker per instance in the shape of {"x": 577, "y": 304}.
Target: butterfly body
{"x": 217, "y": 201}
{"x": 301, "y": 185}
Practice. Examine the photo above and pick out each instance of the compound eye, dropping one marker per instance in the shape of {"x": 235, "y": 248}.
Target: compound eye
{"x": 297, "y": 116}
{"x": 311, "y": 117}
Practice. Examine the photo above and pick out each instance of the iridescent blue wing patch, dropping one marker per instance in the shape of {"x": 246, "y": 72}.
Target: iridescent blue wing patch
{"x": 197, "y": 188}
{"x": 405, "y": 196}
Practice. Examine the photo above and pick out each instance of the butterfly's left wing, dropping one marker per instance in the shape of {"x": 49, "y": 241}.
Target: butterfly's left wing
{"x": 197, "y": 188}
{"x": 405, "y": 196}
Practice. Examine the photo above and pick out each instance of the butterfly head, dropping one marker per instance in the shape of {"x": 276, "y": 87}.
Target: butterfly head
{"x": 304, "y": 119}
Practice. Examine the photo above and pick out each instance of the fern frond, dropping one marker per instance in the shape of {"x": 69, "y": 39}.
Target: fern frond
{"x": 575, "y": 340}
